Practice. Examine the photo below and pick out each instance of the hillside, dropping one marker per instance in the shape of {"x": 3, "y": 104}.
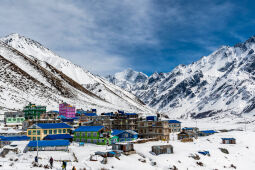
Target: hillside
{"x": 217, "y": 85}
{"x": 33, "y": 73}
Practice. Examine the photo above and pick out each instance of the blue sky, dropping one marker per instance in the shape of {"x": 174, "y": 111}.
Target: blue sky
{"x": 108, "y": 36}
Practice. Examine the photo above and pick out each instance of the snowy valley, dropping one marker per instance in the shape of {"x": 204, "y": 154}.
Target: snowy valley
{"x": 215, "y": 93}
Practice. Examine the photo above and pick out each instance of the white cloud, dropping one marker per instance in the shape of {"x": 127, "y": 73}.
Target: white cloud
{"x": 88, "y": 31}
{"x": 101, "y": 35}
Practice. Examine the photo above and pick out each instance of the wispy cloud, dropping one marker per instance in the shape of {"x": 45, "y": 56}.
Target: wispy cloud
{"x": 85, "y": 31}
{"x": 109, "y": 36}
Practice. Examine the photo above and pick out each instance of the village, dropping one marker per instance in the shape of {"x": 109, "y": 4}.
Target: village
{"x": 39, "y": 132}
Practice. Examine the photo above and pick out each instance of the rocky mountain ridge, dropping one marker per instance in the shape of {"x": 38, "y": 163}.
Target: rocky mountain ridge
{"x": 217, "y": 85}
{"x": 33, "y": 73}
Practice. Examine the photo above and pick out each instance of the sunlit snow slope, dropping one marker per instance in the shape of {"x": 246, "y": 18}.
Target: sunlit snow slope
{"x": 217, "y": 85}
{"x": 33, "y": 73}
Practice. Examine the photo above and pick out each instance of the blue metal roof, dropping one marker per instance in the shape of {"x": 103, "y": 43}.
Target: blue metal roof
{"x": 228, "y": 138}
{"x": 108, "y": 114}
{"x": 117, "y": 132}
{"x": 62, "y": 117}
{"x": 173, "y": 121}
{"x": 204, "y": 152}
{"x": 186, "y": 128}
{"x": 89, "y": 128}
{"x": 112, "y": 152}
{"x": 58, "y": 136}
{"x": 53, "y": 125}
{"x": 208, "y": 131}
{"x": 67, "y": 120}
{"x": 80, "y": 111}
{"x": 83, "y": 111}
{"x": 151, "y": 118}
{"x": 121, "y": 111}
{"x": 44, "y": 143}
{"x": 15, "y": 138}
{"x": 90, "y": 114}
{"x": 130, "y": 114}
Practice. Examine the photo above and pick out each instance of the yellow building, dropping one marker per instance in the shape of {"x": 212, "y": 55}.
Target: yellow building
{"x": 41, "y": 130}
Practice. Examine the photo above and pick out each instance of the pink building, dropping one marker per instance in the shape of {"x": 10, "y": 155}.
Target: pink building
{"x": 66, "y": 110}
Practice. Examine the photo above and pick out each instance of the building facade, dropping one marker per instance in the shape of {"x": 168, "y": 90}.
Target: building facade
{"x": 121, "y": 121}
{"x": 66, "y": 110}
{"x": 99, "y": 135}
{"x": 15, "y": 118}
{"x": 125, "y": 135}
{"x": 41, "y": 130}
{"x": 174, "y": 126}
{"x": 154, "y": 129}
{"x": 27, "y": 123}
{"x": 32, "y": 111}
{"x": 125, "y": 121}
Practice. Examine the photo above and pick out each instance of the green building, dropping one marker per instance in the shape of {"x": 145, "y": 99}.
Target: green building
{"x": 99, "y": 135}
{"x": 32, "y": 111}
{"x": 13, "y": 118}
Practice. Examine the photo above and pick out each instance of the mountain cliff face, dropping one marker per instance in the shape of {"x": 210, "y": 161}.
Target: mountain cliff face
{"x": 33, "y": 73}
{"x": 127, "y": 79}
{"x": 217, "y": 85}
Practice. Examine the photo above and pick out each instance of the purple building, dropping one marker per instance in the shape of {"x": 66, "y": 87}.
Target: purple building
{"x": 66, "y": 110}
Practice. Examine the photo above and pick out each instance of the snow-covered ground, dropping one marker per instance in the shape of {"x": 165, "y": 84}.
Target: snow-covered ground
{"x": 241, "y": 155}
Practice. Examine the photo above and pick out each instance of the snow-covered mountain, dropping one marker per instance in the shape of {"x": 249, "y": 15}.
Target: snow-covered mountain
{"x": 217, "y": 85}
{"x": 33, "y": 73}
{"x": 127, "y": 78}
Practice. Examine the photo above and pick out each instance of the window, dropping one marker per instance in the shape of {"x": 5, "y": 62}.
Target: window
{"x": 45, "y": 132}
{"x": 95, "y": 134}
{"x": 89, "y": 134}
{"x": 125, "y": 135}
{"x": 64, "y": 130}
{"x": 94, "y": 140}
{"x": 77, "y": 140}
{"x": 68, "y": 130}
{"x": 83, "y": 134}
{"x": 38, "y": 138}
{"x": 89, "y": 140}
{"x": 38, "y": 132}
{"x": 14, "y": 119}
{"x": 34, "y": 138}
{"x": 55, "y": 131}
{"x": 29, "y": 132}
{"x": 50, "y": 132}
{"x": 34, "y": 132}
{"x": 59, "y": 131}
{"x": 82, "y": 140}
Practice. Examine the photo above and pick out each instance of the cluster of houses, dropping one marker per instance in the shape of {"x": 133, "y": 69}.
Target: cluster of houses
{"x": 55, "y": 130}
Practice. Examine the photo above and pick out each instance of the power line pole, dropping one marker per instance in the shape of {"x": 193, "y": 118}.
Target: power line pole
{"x": 36, "y": 136}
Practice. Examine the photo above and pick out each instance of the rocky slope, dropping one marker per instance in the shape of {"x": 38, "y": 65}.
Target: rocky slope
{"x": 217, "y": 85}
{"x": 33, "y": 73}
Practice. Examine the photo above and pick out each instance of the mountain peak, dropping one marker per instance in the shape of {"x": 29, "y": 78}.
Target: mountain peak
{"x": 13, "y": 35}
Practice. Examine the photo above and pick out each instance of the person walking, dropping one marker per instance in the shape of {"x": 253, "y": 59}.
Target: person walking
{"x": 64, "y": 165}
{"x": 73, "y": 168}
{"x": 36, "y": 159}
{"x": 51, "y": 162}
